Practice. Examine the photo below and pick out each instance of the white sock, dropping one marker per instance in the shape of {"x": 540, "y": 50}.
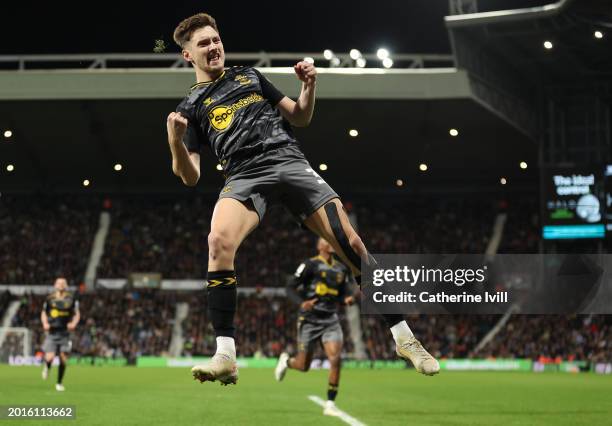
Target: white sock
{"x": 226, "y": 346}
{"x": 401, "y": 332}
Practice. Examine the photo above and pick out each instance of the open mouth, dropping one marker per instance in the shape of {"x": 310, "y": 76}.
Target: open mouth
{"x": 214, "y": 57}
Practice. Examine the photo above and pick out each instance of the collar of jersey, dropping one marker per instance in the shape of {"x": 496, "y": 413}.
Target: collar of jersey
{"x": 331, "y": 263}
{"x": 205, "y": 83}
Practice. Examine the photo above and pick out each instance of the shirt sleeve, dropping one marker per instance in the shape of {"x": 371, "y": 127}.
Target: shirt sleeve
{"x": 298, "y": 280}
{"x": 193, "y": 139}
{"x": 268, "y": 90}
{"x": 347, "y": 286}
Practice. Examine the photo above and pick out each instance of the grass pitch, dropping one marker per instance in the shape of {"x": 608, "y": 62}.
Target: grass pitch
{"x": 168, "y": 396}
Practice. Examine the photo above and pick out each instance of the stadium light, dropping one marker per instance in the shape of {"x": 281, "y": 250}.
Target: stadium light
{"x": 453, "y": 132}
{"x": 382, "y": 53}
{"x": 354, "y": 54}
{"x": 309, "y": 59}
{"x": 328, "y": 54}
{"x": 548, "y": 45}
{"x": 353, "y": 133}
{"x": 423, "y": 167}
{"x": 523, "y": 165}
{"x": 118, "y": 167}
{"x": 503, "y": 181}
{"x": 8, "y": 133}
{"x": 387, "y": 62}
{"x": 10, "y": 168}
{"x": 598, "y": 34}
{"x": 219, "y": 167}
{"x": 399, "y": 182}
{"x": 323, "y": 167}
{"x": 361, "y": 63}
{"x": 86, "y": 182}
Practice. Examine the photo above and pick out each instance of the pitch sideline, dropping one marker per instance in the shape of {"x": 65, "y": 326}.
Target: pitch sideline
{"x": 343, "y": 416}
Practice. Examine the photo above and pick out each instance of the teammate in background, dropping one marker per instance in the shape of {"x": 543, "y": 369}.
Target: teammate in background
{"x": 246, "y": 122}
{"x": 319, "y": 284}
{"x": 59, "y": 316}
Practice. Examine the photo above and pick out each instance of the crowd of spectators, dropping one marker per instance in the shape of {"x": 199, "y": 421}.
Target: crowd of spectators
{"x": 114, "y": 323}
{"x": 43, "y": 237}
{"x": 120, "y": 323}
{"x": 561, "y": 337}
{"x": 169, "y": 235}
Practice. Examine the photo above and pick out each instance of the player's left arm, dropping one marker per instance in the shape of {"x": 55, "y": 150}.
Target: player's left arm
{"x": 350, "y": 291}
{"x": 299, "y": 113}
{"x": 76, "y": 317}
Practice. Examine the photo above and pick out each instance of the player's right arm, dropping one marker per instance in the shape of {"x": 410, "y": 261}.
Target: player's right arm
{"x": 300, "y": 277}
{"x": 185, "y": 164}
{"x": 44, "y": 319}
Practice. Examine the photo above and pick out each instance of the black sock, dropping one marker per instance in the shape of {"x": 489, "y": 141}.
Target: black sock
{"x": 49, "y": 364}
{"x": 60, "y": 373}
{"x": 332, "y": 391}
{"x": 390, "y": 319}
{"x": 222, "y": 301}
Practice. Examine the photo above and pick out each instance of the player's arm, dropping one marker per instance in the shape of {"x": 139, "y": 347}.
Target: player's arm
{"x": 185, "y": 164}
{"x": 299, "y": 113}
{"x": 75, "y": 318}
{"x": 44, "y": 319}
{"x": 349, "y": 291}
{"x": 299, "y": 279}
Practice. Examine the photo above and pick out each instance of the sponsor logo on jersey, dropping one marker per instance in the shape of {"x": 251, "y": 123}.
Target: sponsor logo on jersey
{"x": 242, "y": 79}
{"x": 221, "y": 117}
{"x": 322, "y": 289}
{"x": 57, "y": 313}
{"x": 226, "y": 189}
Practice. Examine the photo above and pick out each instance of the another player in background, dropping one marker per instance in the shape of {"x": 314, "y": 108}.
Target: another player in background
{"x": 246, "y": 122}
{"x": 60, "y": 316}
{"x": 319, "y": 285}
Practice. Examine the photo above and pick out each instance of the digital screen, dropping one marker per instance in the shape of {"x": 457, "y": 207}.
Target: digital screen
{"x": 608, "y": 196}
{"x": 573, "y": 204}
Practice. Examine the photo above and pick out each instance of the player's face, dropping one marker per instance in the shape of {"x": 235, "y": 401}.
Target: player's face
{"x": 60, "y": 284}
{"x": 205, "y": 51}
{"x": 324, "y": 246}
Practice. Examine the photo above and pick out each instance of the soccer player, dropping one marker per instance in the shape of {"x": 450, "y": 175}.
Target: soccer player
{"x": 319, "y": 284}
{"x": 59, "y": 316}
{"x": 246, "y": 122}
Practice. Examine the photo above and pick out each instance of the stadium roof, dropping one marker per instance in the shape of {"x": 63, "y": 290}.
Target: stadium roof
{"x": 518, "y": 36}
{"x": 57, "y": 144}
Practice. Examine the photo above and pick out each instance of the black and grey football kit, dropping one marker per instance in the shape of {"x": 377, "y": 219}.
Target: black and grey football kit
{"x": 60, "y": 311}
{"x": 328, "y": 283}
{"x": 236, "y": 117}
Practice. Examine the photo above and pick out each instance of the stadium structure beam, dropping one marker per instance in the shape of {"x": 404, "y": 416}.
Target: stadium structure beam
{"x": 173, "y": 83}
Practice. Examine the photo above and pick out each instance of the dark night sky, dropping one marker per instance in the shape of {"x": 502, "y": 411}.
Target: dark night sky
{"x": 408, "y": 26}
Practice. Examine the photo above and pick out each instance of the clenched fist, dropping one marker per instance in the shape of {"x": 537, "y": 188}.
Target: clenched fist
{"x": 177, "y": 126}
{"x": 305, "y": 72}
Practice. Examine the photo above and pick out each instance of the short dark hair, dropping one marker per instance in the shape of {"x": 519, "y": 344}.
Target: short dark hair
{"x": 186, "y": 28}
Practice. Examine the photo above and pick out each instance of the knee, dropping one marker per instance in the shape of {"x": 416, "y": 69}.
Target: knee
{"x": 335, "y": 361}
{"x": 219, "y": 244}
